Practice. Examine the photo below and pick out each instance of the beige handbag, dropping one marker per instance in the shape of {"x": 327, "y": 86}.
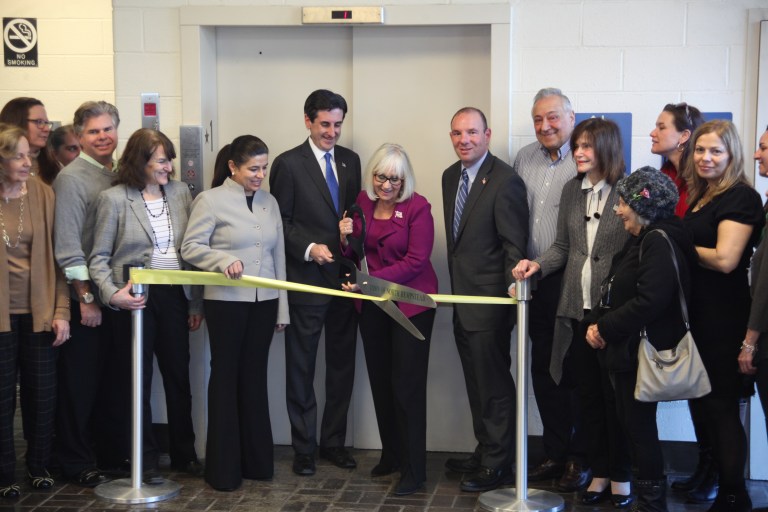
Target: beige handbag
{"x": 674, "y": 374}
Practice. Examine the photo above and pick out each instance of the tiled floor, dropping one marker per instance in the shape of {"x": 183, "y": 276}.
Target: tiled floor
{"x": 330, "y": 490}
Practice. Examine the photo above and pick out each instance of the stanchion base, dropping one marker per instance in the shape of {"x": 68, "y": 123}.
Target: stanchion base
{"x": 121, "y": 491}
{"x": 505, "y": 500}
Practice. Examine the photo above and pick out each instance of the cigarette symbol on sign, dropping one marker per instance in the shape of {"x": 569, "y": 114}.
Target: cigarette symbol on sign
{"x": 20, "y": 35}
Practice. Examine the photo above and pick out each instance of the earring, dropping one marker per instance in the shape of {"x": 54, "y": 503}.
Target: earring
{"x": 680, "y": 147}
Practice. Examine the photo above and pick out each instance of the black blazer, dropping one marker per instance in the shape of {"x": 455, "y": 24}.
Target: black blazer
{"x": 492, "y": 238}
{"x": 298, "y": 184}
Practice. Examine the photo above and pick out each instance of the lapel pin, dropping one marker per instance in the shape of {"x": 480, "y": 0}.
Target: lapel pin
{"x": 484, "y": 181}
{"x": 343, "y": 164}
{"x": 398, "y": 214}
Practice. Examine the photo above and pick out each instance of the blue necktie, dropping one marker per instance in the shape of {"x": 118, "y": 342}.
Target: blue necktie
{"x": 330, "y": 179}
{"x": 461, "y": 199}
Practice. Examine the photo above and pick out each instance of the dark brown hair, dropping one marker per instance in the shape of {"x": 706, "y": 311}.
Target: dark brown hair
{"x": 605, "y": 137}
{"x": 138, "y": 151}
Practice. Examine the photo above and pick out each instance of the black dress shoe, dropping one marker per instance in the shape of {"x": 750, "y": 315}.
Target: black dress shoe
{"x": 383, "y": 469}
{"x": 90, "y": 477}
{"x": 487, "y": 479}
{"x": 468, "y": 465}
{"x": 406, "y": 488}
{"x": 594, "y": 497}
{"x": 339, "y": 457}
{"x": 575, "y": 478}
{"x": 152, "y": 477}
{"x": 622, "y": 500}
{"x": 304, "y": 464}
{"x": 547, "y": 470}
{"x": 192, "y": 468}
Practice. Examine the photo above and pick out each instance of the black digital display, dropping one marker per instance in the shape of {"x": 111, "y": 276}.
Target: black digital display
{"x": 341, "y": 15}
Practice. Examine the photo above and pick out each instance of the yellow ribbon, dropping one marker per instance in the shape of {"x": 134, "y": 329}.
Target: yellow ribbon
{"x": 146, "y": 276}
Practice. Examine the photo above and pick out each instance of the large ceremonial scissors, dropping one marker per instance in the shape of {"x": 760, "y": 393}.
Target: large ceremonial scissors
{"x": 377, "y": 287}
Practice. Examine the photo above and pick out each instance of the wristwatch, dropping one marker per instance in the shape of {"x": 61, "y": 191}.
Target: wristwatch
{"x": 87, "y": 298}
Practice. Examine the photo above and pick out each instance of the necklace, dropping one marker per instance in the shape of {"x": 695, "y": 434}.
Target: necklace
{"x": 20, "y": 229}
{"x": 167, "y": 212}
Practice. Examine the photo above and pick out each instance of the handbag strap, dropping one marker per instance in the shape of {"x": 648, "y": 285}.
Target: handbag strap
{"x": 683, "y": 306}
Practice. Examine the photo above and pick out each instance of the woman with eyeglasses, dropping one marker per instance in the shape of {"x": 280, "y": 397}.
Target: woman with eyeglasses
{"x": 588, "y": 236}
{"x": 142, "y": 220}
{"x": 397, "y": 246}
{"x": 726, "y": 217}
{"x": 236, "y": 229}
{"x": 29, "y": 114}
{"x": 34, "y": 313}
{"x": 642, "y": 293}
{"x": 669, "y": 138}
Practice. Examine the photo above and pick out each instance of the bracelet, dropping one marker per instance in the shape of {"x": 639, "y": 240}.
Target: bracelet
{"x": 749, "y": 348}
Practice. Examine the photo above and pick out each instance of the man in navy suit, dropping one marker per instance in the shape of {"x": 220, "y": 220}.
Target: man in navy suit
{"x": 486, "y": 227}
{"x": 315, "y": 183}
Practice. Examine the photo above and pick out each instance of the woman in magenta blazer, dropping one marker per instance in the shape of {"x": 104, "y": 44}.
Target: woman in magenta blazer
{"x": 397, "y": 247}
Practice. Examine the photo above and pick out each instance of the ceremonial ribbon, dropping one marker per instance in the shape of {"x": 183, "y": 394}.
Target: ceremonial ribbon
{"x": 182, "y": 277}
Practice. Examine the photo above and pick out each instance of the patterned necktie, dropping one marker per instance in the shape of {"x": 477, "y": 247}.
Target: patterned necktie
{"x": 461, "y": 199}
{"x": 330, "y": 179}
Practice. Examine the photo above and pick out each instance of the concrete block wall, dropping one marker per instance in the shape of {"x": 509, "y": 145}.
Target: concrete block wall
{"x": 76, "y": 59}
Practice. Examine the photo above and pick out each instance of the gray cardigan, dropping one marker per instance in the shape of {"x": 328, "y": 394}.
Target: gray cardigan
{"x": 570, "y": 251}
{"x": 222, "y": 231}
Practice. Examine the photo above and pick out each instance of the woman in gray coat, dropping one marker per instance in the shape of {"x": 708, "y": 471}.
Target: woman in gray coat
{"x": 141, "y": 222}
{"x": 588, "y": 236}
{"x": 236, "y": 229}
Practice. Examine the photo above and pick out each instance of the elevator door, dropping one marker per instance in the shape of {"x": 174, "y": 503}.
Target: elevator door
{"x": 402, "y": 85}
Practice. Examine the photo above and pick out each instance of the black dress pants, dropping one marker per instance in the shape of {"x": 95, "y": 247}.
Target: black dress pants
{"x": 397, "y": 370}
{"x": 81, "y": 426}
{"x": 608, "y": 450}
{"x": 486, "y": 362}
{"x": 558, "y": 403}
{"x": 302, "y": 336}
{"x": 239, "y": 443}
{"x": 166, "y": 335}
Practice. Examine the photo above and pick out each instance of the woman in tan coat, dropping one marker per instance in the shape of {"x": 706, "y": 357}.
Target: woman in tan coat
{"x": 34, "y": 312}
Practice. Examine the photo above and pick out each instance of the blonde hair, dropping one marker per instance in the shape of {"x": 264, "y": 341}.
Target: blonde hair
{"x": 734, "y": 172}
{"x": 10, "y": 135}
{"x": 391, "y": 159}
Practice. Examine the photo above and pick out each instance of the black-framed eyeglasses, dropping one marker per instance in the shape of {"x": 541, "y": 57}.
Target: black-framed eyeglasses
{"x": 40, "y": 123}
{"x": 381, "y": 178}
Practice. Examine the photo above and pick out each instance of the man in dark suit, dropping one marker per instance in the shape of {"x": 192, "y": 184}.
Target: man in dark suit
{"x": 315, "y": 183}
{"x": 486, "y": 224}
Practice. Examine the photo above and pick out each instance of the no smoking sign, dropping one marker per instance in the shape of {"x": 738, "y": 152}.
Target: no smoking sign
{"x": 20, "y": 42}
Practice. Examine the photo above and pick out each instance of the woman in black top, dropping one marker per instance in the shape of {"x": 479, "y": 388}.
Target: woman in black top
{"x": 643, "y": 293}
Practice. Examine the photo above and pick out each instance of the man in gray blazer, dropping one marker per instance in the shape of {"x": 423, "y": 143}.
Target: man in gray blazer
{"x": 546, "y": 166}
{"x": 314, "y": 184}
{"x": 486, "y": 224}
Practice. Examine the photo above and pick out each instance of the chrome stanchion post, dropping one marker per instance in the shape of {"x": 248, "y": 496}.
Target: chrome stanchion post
{"x": 521, "y": 498}
{"x": 130, "y": 490}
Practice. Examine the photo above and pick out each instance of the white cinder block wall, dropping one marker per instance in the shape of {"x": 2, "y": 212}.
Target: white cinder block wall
{"x": 611, "y": 55}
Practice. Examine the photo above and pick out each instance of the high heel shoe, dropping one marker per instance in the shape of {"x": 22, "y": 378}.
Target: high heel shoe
{"x": 593, "y": 497}
{"x": 622, "y": 500}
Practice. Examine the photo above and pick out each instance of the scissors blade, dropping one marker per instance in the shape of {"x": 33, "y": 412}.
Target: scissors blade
{"x": 371, "y": 285}
{"x": 398, "y": 316}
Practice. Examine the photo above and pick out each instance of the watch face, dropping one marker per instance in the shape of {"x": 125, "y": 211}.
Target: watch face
{"x": 87, "y": 297}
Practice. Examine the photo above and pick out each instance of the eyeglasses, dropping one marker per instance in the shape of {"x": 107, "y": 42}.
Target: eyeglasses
{"x": 381, "y": 178}
{"x": 41, "y": 123}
